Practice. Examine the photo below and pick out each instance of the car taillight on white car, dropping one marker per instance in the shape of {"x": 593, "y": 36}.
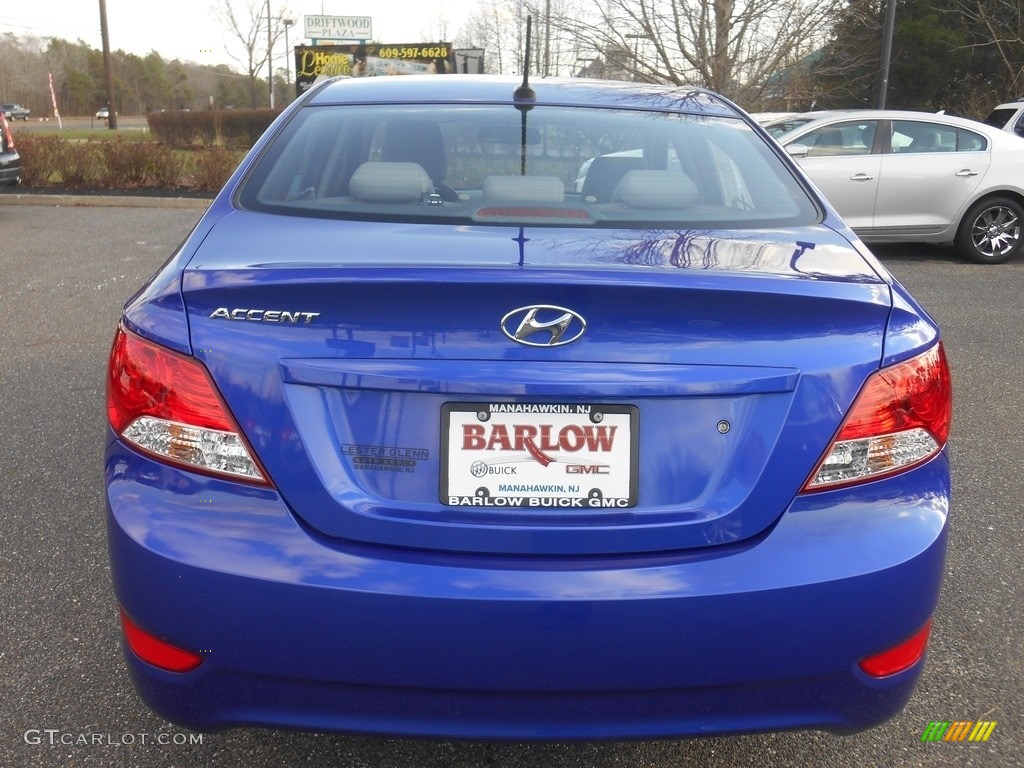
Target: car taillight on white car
{"x": 900, "y": 419}
{"x": 165, "y": 404}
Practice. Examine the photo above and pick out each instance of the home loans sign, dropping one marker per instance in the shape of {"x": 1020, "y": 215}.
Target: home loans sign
{"x": 338, "y": 27}
{"x": 369, "y": 60}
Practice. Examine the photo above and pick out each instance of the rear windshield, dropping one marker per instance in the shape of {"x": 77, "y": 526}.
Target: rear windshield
{"x": 998, "y": 118}
{"x": 492, "y": 164}
{"x": 780, "y": 127}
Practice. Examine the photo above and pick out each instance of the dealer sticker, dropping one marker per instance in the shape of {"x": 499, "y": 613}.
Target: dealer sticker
{"x": 545, "y": 455}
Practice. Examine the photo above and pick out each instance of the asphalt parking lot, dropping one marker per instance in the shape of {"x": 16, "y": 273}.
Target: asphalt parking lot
{"x": 66, "y": 699}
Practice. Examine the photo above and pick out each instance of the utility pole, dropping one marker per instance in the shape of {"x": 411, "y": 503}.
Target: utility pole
{"x": 270, "y": 55}
{"x": 547, "y": 37}
{"x": 107, "y": 69}
{"x": 890, "y": 23}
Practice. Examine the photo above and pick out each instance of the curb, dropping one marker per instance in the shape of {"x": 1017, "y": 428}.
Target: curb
{"x": 104, "y": 201}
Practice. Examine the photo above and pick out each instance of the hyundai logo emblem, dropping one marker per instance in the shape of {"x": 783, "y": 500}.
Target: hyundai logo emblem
{"x": 543, "y": 325}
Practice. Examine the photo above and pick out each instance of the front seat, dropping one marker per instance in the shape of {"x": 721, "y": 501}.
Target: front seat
{"x": 605, "y": 173}
{"x": 828, "y": 141}
{"x": 419, "y": 141}
{"x": 929, "y": 141}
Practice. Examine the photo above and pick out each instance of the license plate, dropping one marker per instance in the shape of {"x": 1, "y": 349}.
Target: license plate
{"x": 541, "y": 455}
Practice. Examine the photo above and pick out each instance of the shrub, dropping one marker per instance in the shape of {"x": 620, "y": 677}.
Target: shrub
{"x": 78, "y": 164}
{"x": 169, "y": 129}
{"x": 236, "y": 128}
{"x": 166, "y": 167}
{"x": 119, "y": 164}
{"x": 140, "y": 164}
{"x": 126, "y": 163}
{"x": 241, "y": 128}
{"x": 39, "y": 158}
{"x": 212, "y": 167}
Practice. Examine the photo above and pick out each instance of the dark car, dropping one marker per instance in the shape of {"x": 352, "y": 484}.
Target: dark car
{"x": 15, "y": 111}
{"x": 411, "y": 437}
{"x": 10, "y": 160}
{"x": 1008, "y": 117}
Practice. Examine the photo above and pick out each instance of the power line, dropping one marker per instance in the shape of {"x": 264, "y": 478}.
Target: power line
{"x": 33, "y": 26}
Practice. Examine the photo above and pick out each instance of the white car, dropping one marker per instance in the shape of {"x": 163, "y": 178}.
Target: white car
{"x": 918, "y": 177}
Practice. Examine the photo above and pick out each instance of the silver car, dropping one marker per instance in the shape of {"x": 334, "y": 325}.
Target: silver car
{"x": 918, "y": 177}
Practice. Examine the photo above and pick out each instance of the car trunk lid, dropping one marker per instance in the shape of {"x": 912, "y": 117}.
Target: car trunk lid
{"x": 375, "y": 371}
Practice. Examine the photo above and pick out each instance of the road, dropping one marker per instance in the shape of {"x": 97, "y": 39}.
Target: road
{"x": 52, "y": 124}
{"x": 66, "y": 698}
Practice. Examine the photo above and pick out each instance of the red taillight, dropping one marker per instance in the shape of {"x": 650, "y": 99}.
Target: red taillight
{"x": 8, "y": 136}
{"x": 165, "y": 403}
{"x": 155, "y": 651}
{"x": 900, "y": 657}
{"x": 900, "y": 418}
{"x": 150, "y": 380}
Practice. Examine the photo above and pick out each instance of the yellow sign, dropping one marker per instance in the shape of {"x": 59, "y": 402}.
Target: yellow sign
{"x": 370, "y": 60}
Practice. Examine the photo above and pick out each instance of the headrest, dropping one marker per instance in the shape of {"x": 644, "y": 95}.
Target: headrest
{"x": 378, "y": 182}
{"x": 656, "y": 190}
{"x": 523, "y": 189}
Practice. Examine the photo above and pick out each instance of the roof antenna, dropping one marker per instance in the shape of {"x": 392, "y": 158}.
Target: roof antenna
{"x": 524, "y": 92}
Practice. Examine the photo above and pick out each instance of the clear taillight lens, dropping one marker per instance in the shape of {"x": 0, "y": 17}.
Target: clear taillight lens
{"x": 900, "y": 418}
{"x": 165, "y": 404}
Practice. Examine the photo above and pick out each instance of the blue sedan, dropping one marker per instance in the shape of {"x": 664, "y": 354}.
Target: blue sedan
{"x": 414, "y": 434}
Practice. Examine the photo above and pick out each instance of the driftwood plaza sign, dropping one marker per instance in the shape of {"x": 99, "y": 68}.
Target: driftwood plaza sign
{"x": 359, "y": 60}
{"x": 338, "y": 27}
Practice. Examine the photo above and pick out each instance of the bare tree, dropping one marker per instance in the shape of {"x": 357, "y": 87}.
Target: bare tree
{"x": 1002, "y": 28}
{"x": 23, "y": 73}
{"x": 492, "y": 27}
{"x": 735, "y": 47}
{"x": 499, "y": 27}
{"x": 246, "y": 22}
{"x": 438, "y": 29}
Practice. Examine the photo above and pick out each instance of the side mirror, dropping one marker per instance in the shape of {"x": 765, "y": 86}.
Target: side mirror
{"x": 797, "y": 150}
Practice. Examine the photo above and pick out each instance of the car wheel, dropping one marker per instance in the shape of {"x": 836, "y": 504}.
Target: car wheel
{"x": 991, "y": 231}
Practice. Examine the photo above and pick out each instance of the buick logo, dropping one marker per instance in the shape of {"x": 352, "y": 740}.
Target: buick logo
{"x": 543, "y": 325}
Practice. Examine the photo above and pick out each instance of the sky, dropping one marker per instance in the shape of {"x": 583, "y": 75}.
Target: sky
{"x": 189, "y": 29}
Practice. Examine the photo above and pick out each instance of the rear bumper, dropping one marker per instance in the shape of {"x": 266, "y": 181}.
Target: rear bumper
{"x": 299, "y": 631}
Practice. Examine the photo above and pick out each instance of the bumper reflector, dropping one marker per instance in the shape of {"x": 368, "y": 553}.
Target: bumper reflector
{"x": 154, "y": 651}
{"x": 900, "y": 657}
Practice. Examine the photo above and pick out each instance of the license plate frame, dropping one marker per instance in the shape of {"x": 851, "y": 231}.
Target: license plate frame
{"x": 564, "y": 456}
